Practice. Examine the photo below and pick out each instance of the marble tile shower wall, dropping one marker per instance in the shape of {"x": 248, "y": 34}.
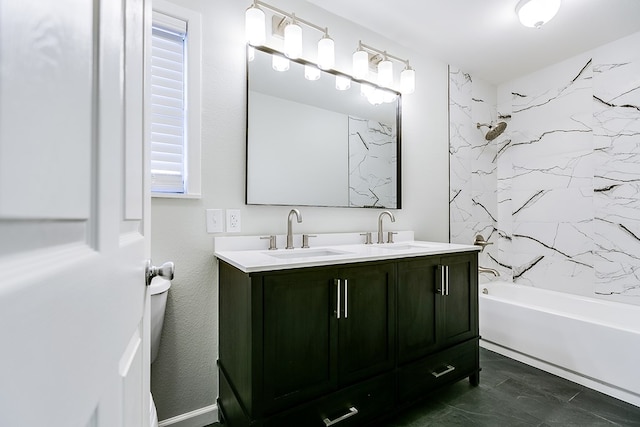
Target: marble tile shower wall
{"x": 473, "y": 166}
{"x": 566, "y": 214}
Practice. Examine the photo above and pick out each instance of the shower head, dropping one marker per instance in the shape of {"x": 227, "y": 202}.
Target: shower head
{"x": 494, "y": 130}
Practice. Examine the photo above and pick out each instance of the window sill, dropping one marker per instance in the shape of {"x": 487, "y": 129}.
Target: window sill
{"x": 175, "y": 196}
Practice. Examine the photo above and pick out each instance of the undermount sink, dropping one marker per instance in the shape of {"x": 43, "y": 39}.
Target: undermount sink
{"x": 403, "y": 247}
{"x": 305, "y": 253}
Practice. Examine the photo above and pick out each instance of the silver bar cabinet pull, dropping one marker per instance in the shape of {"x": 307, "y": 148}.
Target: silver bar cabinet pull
{"x": 337, "y": 283}
{"x": 445, "y": 372}
{"x": 352, "y": 411}
{"x": 346, "y": 298}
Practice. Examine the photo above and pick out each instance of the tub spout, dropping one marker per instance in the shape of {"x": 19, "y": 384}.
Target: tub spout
{"x": 488, "y": 270}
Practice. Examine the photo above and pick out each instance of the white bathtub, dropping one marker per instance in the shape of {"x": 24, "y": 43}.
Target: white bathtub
{"x": 592, "y": 342}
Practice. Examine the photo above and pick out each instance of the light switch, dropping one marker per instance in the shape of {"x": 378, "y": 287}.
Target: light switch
{"x": 214, "y": 221}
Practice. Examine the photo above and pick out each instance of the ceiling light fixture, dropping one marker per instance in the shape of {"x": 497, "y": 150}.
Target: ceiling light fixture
{"x": 536, "y": 13}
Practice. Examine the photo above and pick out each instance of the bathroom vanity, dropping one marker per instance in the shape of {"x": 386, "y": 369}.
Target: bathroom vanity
{"x": 342, "y": 334}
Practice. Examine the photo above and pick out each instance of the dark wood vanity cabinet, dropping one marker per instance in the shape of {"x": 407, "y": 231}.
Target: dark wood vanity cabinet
{"x": 437, "y": 322}
{"x": 315, "y": 345}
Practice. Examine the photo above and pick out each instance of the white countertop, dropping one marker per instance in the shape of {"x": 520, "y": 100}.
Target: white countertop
{"x": 250, "y": 253}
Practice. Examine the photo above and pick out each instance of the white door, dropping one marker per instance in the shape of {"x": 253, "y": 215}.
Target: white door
{"x": 73, "y": 214}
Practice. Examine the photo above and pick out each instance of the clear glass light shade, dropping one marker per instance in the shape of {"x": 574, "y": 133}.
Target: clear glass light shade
{"x": 255, "y": 26}
{"x": 343, "y": 83}
{"x": 251, "y": 53}
{"x": 326, "y": 53}
{"x": 311, "y": 72}
{"x": 385, "y": 73}
{"x": 535, "y": 13}
{"x": 360, "y": 65}
{"x": 407, "y": 81}
{"x": 293, "y": 40}
{"x": 279, "y": 63}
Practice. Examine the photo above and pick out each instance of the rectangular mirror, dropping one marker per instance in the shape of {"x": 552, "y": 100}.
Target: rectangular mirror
{"x": 309, "y": 144}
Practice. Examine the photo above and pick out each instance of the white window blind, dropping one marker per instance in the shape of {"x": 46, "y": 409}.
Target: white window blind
{"x": 168, "y": 104}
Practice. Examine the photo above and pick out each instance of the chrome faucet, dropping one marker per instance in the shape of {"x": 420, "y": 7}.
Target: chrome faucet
{"x": 488, "y": 270}
{"x": 380, "y": 233}
{"x": 289, "y": 226}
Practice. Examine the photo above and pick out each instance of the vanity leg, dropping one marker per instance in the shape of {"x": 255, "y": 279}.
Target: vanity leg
{"x": 474, "y": 379}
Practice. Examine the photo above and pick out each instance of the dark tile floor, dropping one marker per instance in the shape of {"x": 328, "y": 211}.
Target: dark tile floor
{"x": 514, "y": 394}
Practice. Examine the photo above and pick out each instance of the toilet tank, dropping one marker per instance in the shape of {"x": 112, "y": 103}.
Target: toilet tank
{"x": 159, "y": 289}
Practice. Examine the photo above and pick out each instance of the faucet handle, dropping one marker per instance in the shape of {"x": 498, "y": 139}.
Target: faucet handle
{"x": 305, "y": 240}
{"x": 480, "y": 241}
{"x": 272, "y": 242}
{"x": 390, "y": 236}
{"x": 367, "y": 238}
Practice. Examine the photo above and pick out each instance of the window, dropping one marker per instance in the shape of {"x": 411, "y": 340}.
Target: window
{"x": 175, "y": 101}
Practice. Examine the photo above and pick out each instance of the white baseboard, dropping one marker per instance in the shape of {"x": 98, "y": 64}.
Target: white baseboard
{"x": 198, "y": 418}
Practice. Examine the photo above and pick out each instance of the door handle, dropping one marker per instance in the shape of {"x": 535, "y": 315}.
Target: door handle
{"x": 165, "y": 270}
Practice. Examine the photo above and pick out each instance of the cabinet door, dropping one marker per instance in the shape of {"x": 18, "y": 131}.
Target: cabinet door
{"x": 457, "y": 315}
{"x": 299, "y": 333}
{"x": 367, "y": 322}
{"x": 417, "y": 302}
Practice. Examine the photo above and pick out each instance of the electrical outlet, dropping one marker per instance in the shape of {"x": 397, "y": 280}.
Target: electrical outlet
{"x": 233, "y": 220}
{"x": 214, "y": 221}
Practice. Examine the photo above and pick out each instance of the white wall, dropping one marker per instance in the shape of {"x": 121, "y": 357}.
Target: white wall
{"x": 184, "y": 377}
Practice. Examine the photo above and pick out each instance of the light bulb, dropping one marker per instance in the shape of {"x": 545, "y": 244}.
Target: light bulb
{"x": 311, "y": 72}
{"x": 388, "y": 96}
{"x": 343, "y": 83}
{"x": 385, "y": 73}
{"x": 376, "y": 97}
{"x": 535, "y": 13}
{"x": 366, "y": 89}
{"x": 293, "y": 40}
{"x": 360, "y": 64}
{"x": 279, "y": 63}
{"x": 408, "y": 80}
{"x": 326, "y": 53}
{"x": 254, "y": 26}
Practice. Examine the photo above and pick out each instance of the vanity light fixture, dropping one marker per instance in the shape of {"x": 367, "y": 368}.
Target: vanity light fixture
{"x": 342, "y": 82}
{"x": 293, "y": 39}
{"x": 536, "y": 13}
{"x": 255, "y": 33}
{"x": 407, "y": 80}
{"x": 326, "y": 52}
{"x": 360, "y": 64}
{"x": 254, "y": 25}
{"x": 385, "y": 72}
{"x": 279, "y": 63}
{"x": 365, "y": 56}
{"x": 311, "y": 72}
